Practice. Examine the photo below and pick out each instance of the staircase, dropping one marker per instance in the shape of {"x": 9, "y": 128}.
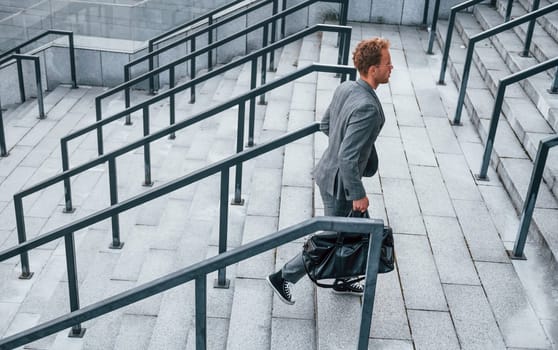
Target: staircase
{"x": 530, "y": 111}
{"x": 454, "y": 287}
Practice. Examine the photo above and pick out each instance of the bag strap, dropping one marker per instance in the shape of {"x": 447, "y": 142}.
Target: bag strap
{"x": 324, "y": 285}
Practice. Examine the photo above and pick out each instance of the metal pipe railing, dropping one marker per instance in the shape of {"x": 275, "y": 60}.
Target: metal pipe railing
{"x": 530, "y": 29}
{"x": 207, "y": 19}
{"x": 191, "y": 56}
{"x": 199, "y": 271}
{"x": 484, "y": 35}
{"x": 15, "y": 53}
{"x": 451, "y": 24}
{"x": 514, "y": 78}
{"x": 70, "y": 35}
{"x": 425, "y": 12}
{"x": 531, "y": 196}
{"x": 237, "y": 101}
{"x": 343, "y": 57}
{"x": 38, "y": 81}
{"x": 433, "y": 27}
{"x": 3, "y": 148}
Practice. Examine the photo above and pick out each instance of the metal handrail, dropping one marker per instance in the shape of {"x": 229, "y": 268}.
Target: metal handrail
{"x": 205, "y": 19}
{"x": 200, "y": 270}
{"x": 37, "y": 65}
{"x": 499, "y": 101}
{"x": 531, "y": 195}
{"x": 15, "y": 53}
{"x": 70, "y": 35}
{"x": 193, "y": 54}
{"x": 343, "y": 57}
{"x": 486, "y": 34}
{"x": 239, "y": 101}
{"x": 451, "y": 24}
{"x": 530, "y": 30}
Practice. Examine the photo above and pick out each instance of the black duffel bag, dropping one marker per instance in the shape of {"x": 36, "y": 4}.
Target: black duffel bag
{"x": 343, "y": 255}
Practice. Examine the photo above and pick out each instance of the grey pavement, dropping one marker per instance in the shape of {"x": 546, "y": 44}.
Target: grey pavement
{"x": 454, "y": 286}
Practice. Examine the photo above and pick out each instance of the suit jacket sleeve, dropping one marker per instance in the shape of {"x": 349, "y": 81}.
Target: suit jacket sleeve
{"x": 363, "y": 127}
{"x": 324, "y": 123}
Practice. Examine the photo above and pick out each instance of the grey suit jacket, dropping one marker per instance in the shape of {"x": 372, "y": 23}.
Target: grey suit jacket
{"x": 352, "y": 121}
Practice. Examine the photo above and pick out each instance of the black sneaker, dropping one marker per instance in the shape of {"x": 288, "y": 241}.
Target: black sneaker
{"x": 280, "y": 287}
{"x": 355, "y": 288}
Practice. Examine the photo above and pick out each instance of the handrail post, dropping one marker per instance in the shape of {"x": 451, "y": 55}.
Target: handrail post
{"x": 201, "y": 312}
{"x": 237, "y": 200}
{"x": 115, "y": 221}
{"x": 531, "y": 197}
{"x": 347, "y": 47}
{"x": 263, "y": 68}
{"x": 344, "y": 12}
{"x": 67, "y": 185}
{"x": 508, "y": 10}
{"x": 447, "y": 46}
{"x": 39, "y": 83}
{"x": 275, "y": 8}
{"x": 283, "y": 19}
{"x": 433, "y": 27}
{"x": 3, "y": 149}
{"x": 72, "y": 60}
{"x": 150, "y": 64}
{"x": 252, "y": 111}
{"x": 209, "y": 42}
{"x": 146, "y": 148}
{"x": 374, "y": 252}
{"x": 77, "y": 331}
{"x": 193, "y": 70}
{"x": 425, "y": 12}
{"x": 21, "y": 237}
{"x": 127, "y": 95}
{"x": 20, "y": 77}
{"x": 172, "y": 98}
{"x": 530, "y": 29}
{"x": 492, "y": 132}
{"x": 554, "y": 87}
{"x": 222, "y": 281}
{"x": 464, "y": 80}
{"x": 98, "y": 117}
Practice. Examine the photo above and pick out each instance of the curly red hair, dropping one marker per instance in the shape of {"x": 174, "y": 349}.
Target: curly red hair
{"x": 369, "y": 53}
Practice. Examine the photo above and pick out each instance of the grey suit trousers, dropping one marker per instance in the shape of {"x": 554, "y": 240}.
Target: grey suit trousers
{"x": 294, "y": 269}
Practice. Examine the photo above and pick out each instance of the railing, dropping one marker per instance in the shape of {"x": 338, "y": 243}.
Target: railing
{"x": 253, "y": 58}
{"x": 451, "y": 24}
{"x": 531, "y": 196}
{"x": 194, "y": 53}
{"x": 18, "y": 57}
{"x": 486, "y": 34}
{"x": 199, "y": 272}
{"x": 530, "y": 29}
{"x": 17, "y": 50}
{"x": 15, "y": 53}
{"x": 38, "y": 82}
{"x": 239, "y": 101}
{"x": 206, "y": 19}
{"x": 514, "y": 78}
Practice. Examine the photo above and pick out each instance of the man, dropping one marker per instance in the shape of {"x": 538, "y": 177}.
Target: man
{"x": 352, "y": 122}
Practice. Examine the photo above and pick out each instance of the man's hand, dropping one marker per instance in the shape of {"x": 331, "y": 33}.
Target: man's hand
{"x": 360, "y": 204}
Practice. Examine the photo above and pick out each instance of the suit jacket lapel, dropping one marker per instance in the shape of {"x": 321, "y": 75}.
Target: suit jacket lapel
{"x": 368, "y": 88}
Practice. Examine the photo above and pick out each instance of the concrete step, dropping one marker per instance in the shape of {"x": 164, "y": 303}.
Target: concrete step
{"x": 256, "y": 328}
{"x": 147, "y": 238}
{"x": 518, "y": 134}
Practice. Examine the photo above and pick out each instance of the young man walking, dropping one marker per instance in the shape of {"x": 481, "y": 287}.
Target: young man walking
{"x": 352, "y": 122}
